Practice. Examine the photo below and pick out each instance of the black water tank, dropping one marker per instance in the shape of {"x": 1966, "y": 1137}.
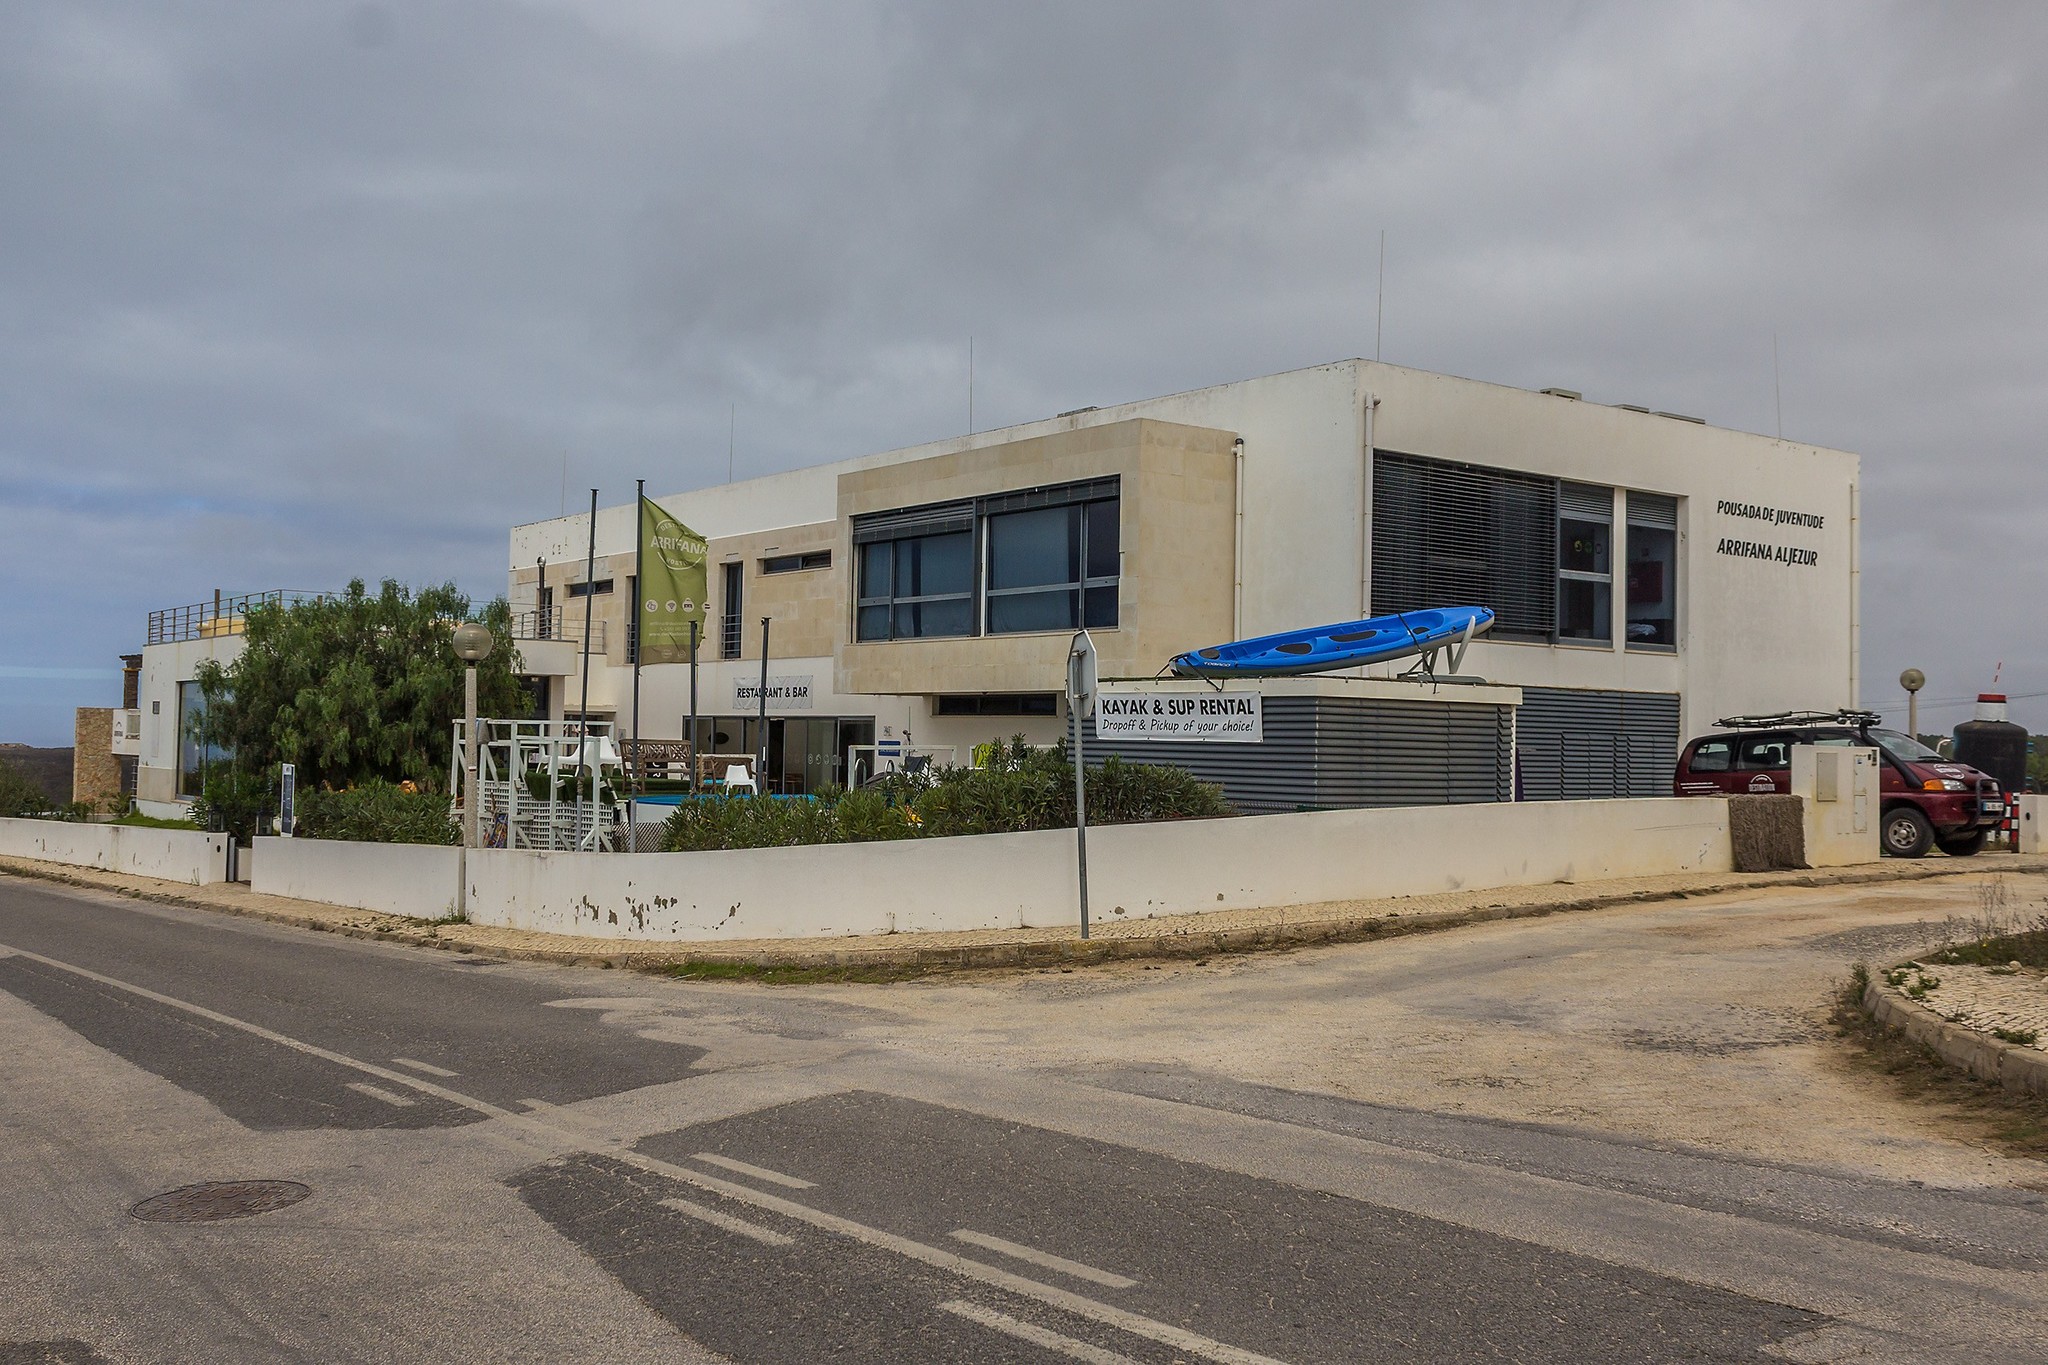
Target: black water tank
{"x": 1994, "y": 745}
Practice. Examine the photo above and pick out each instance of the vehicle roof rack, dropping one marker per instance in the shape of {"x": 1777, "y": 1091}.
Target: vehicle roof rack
{"x": 1783, "y": 719}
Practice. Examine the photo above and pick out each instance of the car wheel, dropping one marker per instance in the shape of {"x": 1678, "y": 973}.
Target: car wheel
{"x": 1963, "y": 845}
{"x": 1907, "y": 833}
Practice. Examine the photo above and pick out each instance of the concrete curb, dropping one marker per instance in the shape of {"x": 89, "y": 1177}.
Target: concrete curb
{"x": 1183, "y": 944}
{"x": 1985, "y": 1057}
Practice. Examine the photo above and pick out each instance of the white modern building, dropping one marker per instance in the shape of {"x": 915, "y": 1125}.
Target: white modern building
{"x": 1650, "y": 573}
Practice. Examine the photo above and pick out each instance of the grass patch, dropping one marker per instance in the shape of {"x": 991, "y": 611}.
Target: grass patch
{"x": 141, "y": 821}
{"x": 770, "y": 974}
{"x": 1983, "y": 1111}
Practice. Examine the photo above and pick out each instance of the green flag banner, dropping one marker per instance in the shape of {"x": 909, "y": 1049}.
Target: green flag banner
{"x": 673, "y": 586}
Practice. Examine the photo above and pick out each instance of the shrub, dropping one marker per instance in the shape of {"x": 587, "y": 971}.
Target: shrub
{"x": 237, "y": 802}
{"x": 1018, "y": 788}
{"x": 379, "y": 812}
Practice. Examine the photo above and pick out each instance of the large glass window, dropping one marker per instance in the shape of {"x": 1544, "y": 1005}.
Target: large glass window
{"x": 1652, "y": 573}
{"x": 194, "y": 759}
{"x": 917, "y": 586}
{"x": 1585, "y": 565}
{"x": 1039, "y": 559}
{"x": 1053, "y": 568}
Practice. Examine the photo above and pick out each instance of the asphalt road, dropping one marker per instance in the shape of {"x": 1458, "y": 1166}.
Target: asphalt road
{"x": 514, "y": 1162}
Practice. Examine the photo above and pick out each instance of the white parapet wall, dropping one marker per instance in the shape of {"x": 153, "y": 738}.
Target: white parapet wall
{"x": 1009, "y": 880}
{"x": 176, "y": 855}
{"x": 416, "y": 880}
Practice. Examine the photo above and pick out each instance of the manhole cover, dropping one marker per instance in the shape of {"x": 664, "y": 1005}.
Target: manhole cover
{"x": 218, "y": 1199}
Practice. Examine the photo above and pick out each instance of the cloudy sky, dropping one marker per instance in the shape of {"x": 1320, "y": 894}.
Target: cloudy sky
{"x": 295, "y": 293}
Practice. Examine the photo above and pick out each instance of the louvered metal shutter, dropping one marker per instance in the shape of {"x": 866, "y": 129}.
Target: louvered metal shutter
{"x": 1056, "y": 495}
{"x": 1577, "y": 745}
{"x": 1654, "y": 510}
{"x": 1586, "y": 501}
{"x": 1335, "y": 752}
{"x": 1464, "y": 535}
{"x": 930, "y": 520}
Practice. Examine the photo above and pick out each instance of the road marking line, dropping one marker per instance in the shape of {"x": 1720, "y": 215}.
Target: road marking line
{"x": 427, "y": 1067}
{"x": 758, "y": 1172}
{"x": 1044, "y": 1259}
{"x": 1037, "y": 1336}
{"x": 378, "y": 1092}
{"x": 560, "y": 1135}
{"x": 384, "y": 1073}
{"x": 729, "y": 1223}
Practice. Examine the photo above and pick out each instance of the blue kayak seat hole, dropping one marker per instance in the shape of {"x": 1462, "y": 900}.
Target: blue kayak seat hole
{"x": 1295, "y": 647}
{"x": 1354, "y": 636}
{"x": 1212, "y": 653}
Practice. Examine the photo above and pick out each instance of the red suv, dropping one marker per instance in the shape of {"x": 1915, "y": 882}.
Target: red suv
{"x": 1925, "y": 800}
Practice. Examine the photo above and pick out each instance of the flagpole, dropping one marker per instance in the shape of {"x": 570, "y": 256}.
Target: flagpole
{"x": 693, "y": 708}
{"x": 636, "y": 636}
{"x": 583, "y": 718}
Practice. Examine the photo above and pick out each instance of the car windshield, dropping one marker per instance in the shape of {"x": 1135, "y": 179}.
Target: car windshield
{"x": 1905, "y": 748}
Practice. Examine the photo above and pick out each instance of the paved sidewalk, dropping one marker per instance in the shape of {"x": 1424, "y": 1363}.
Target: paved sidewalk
{"x": 1986, "y": 999}
{"x": 1181, "y": 936}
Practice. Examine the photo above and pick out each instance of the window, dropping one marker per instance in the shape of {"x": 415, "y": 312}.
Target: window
{"x": 810, "y": 559}
{"x": 917, "y": 587}
{"x": 1585, "y": 565}
{"x": 1053, "y": 568}
{"x": 194, "y": 759}
{"x": 996, "y": 704}
{"x": 1652, "y": 573}
{"x": 1713, "y": 756}
{"x": 596, "y": 589}
{"x": 1039, "y": 559}
{"x": 1767, "y": 753}
{"x": 729, "y": 621}
{"x": 1464, "y": 535}
{"x": 1540, "y": 551}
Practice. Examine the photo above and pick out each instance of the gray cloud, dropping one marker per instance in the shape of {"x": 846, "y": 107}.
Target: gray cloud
{"x": 290, "y": 294}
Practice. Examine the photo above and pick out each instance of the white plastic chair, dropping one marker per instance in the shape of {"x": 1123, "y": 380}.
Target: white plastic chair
{"x": 738, "y": 779}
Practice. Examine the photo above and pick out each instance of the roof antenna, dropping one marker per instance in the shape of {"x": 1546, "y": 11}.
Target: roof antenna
{"x": 1777, "y": 388}
{"x": 1380, "y": 310}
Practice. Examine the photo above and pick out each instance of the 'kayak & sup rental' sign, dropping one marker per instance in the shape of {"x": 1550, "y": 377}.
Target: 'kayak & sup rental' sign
{"x": 1199, "y": 714}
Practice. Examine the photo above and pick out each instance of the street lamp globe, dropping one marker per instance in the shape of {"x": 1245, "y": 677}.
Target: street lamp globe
{"x": 473, "y": 642}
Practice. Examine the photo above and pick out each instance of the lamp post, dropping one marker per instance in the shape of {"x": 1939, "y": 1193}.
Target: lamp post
{"x": 472, "y": 645}
{"x": 1913, "y": 680}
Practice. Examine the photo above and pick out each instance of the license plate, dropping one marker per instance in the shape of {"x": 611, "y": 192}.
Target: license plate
{"x": 1994, "y": 807}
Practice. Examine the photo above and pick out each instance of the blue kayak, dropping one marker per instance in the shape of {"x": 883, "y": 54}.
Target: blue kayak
{"x": 1319, "y": 649}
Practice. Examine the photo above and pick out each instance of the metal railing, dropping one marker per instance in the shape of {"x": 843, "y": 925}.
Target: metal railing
{"x": 221, "y": 616}
{"x": 557, "y": 623}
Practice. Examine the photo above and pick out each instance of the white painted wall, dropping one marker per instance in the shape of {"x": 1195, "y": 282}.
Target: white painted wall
{"x": 190, "y": 856}
{"x": 163, "y": 668}
{"x": 1007, "y": 880}
{"x": 416, "y": 880}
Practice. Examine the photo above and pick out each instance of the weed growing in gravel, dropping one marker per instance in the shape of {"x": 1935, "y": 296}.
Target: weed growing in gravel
{"x": 2025, "y": 1037}
{"x": 1997, "y": 935}
{"x": 1981, "y": 1110}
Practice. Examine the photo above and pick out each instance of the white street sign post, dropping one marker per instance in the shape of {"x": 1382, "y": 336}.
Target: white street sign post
{"x": 1081, "y": 688}
{"x": 287, "y": 798}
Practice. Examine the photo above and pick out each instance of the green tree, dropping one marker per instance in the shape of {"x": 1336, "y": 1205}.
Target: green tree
{"x": 355, "y": 687}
